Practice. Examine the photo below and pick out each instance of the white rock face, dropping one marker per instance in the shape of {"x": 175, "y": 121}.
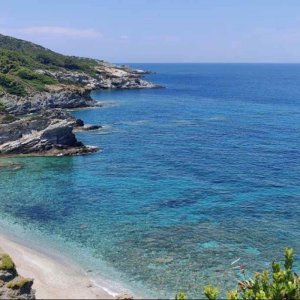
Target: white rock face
{"x": 49, "y": 131}
{"x": 56, "y": 134}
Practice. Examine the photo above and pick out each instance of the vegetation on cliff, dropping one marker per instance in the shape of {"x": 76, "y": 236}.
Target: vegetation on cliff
{"x": 20, "y": 60}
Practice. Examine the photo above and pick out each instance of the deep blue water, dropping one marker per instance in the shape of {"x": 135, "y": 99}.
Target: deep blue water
{"x": 189, "y": 179}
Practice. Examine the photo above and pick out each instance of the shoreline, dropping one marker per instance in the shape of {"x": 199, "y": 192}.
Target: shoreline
{"x": 53, "y": 278}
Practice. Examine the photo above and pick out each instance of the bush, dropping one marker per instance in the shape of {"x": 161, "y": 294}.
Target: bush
{"x": 284, "y": 284}
{"x": 47, "y": 58}
{"x": 35, "y": 80}
{"x": 17, "y": 284}
{"x": 6, "y": 262}
{"x": 25, "y": 73}
{"x": 11, "y": 86}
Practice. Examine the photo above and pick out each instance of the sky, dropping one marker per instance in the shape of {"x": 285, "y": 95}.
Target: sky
{"x": 160, "y": 30}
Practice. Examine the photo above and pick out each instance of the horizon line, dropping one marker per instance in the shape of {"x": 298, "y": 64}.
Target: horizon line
{"x": 236, "y": 63}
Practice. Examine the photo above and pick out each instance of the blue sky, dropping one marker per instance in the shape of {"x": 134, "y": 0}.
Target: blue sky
{"x": 160, "y": 30}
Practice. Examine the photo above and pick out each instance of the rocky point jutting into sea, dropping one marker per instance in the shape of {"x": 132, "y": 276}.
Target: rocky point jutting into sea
{"x": 37, "y": 84}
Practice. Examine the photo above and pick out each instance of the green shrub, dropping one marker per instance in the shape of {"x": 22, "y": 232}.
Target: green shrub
{"x": 26, "y": 73}
{"x": 6, "y": 262}
{"x": 283, "y": 284}
{"x": 46, "y": 79}
{"x": 17, "y": 284}
{"x": 11, "y": 85}
{"x": 211, "y": 292}
{"x": 34, "y": 80}
{"x": 180, "y": 296}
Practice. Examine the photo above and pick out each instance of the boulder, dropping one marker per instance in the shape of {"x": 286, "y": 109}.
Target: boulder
{"x": 79, "y": 123}
{"x": 12, "y": 285}
{"x": 91, "y": 127}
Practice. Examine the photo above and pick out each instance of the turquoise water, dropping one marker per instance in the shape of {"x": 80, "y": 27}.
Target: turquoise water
{"x": 190, "y": 178}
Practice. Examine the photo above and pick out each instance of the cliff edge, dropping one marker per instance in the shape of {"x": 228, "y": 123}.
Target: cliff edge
{"x": 35, "y": 81}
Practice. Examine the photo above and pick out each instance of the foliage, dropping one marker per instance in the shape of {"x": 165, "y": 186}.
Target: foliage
{"x": 20, "y": 59}
{"x": 180, "y": 296}
{"x": 26, "y": 73}
{"x": 11, "y": 85}
{"x": 282, "y": 284}
{"x": 17, "y": 284}
{"x": 211, "y": 292}
{"x": 25, "y": 53}
{"x": 34, "y": 79}
{"x": 6, "y": 262}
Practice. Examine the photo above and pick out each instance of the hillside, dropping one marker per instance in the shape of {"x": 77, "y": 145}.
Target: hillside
{"x": 27, "y": 68}
{"x": 19, "y": 61}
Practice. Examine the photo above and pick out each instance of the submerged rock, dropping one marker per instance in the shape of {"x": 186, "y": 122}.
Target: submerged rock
{"x": 79, "y": 123}
{"x": 8, "y": 165}
{"x": 91, "y": 127}
{"x": 164, "y": 260}
{"x": 12, "y": 285}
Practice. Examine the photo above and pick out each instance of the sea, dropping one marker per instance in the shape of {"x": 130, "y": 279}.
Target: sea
{"x": 192, "y": 182}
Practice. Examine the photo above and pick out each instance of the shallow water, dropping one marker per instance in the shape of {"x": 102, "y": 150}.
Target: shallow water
{"x": 189, "y": 179}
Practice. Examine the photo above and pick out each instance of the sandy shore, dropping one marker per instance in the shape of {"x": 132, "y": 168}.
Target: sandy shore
{"x": 53, "y": 279}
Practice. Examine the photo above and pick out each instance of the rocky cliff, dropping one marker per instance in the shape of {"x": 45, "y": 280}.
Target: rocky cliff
{"x": 49, "y": 132}
{"x": 37, "y": 83}
{"x": 73, "y": 88}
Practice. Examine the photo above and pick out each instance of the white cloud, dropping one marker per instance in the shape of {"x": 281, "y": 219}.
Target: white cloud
{"x": 124, "y": 37}
{"x": 57, "y": 31}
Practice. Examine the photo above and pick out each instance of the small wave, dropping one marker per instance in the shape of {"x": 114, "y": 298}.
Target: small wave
{"x": 106, "y": 104}
{"x": 188, "y": 122}
{"x": 217, "y": 118}
{"x": 136, "y": 123}
{"x": 180, "y": 122}
{"x": 113, "y": 287}
{"x": 197, "y": 122}
{"x": 108, "y": 287}
{"x": 105, "y": 129}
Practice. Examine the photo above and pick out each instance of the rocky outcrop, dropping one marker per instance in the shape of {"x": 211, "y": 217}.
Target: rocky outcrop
{"x": 90, "y": 127}
{"x": 36, "y": 124}
{"x": 57, "y": 96}
{"x": 48, "y": 133}
{"x": 12, "y": 285}
{"x": 73, "y": 88}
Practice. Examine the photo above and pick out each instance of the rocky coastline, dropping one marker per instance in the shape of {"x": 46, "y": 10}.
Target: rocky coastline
{"x": 39, "y": 124}
{"x": 12, "y": 285}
